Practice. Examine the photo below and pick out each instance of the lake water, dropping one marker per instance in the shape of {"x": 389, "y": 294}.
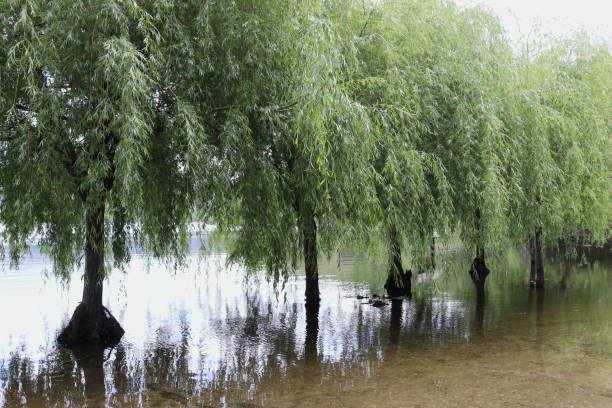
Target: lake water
{"x": 209, "y": 337}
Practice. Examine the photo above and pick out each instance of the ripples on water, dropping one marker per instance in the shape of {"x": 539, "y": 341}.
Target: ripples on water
{"x": 207, "y": 337}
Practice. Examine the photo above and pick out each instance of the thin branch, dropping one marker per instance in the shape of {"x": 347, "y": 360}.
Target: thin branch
{"x": 286, "y": 107}
{"x": 223, "y": 108}
{"x": 282, "y": 108}
{"x": 367, "y": 22}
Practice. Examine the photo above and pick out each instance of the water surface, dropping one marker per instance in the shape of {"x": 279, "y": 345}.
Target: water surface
{"x": 210, "y": 337}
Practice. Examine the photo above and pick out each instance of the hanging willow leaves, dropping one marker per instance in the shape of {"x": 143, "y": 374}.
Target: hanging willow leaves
{"x": 101, "y": 142}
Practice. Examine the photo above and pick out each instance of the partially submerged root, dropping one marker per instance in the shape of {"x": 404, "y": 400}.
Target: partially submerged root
{"x": 399, "y": 284}
{"x": 97, "y": 326}
{"x": 479, "y": 272}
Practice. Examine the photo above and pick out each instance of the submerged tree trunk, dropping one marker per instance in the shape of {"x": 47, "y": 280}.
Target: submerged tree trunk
{"x": 532, "y": 268}
{"x": 567, "y": 269}
{"x": 536, "y": 275}
{"x": 91, "y": 322}
{"x": 309, "y": 235}
{"x": 312, "y": 332}
{"x": 398, "y": 281}
{"x": 479, "y": 271}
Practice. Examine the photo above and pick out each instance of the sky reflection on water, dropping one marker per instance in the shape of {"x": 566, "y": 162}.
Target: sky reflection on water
{"x": 208, "y": 337}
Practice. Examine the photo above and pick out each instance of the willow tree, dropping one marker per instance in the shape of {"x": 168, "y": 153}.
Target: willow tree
{"x": 460, "y": 62}
{"x": 582, "y": 145}
{"x": 559, "y": 119}
{"x": 412, "y": 192}
{"x": 297, "y": 145}
{"x": 100, "y": 145}
{"x": 536, "y": 201}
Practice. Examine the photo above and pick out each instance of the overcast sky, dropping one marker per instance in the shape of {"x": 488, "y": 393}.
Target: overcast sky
{"x": 555, "y": 16}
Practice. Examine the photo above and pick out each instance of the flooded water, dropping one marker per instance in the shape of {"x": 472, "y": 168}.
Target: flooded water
{"x": 209, "y": 337}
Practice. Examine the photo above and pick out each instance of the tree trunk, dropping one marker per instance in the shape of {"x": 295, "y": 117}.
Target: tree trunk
{"x": 479, "y": 271}
{"x": 309, "y": 234}
{"x": 432, "y": 252}
{"x": 532, "y": 268}
{"x": 312, "y": 332}
{"x": 398, "y": 281}
{"x": 567, "y": 268}
{"x": 536, "y": 275}
{"x": 91, "y": 322}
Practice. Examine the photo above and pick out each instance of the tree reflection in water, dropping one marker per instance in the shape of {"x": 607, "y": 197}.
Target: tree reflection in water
{"x": 395, "y": 325}
{"x": 242, "y": 348}
{"x": 90, "y": 361}
{"x": 312, "y": 333}
{"x": 259, "y": 348}
{"x": 479, "y": 321}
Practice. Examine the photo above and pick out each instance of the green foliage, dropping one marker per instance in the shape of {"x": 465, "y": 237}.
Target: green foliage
{"x": 435, "y": 78}
{"x": 296, "y": 145}
{"x": 93, "y": 118}
{"x": 411, "y": 184}
{"x": 558, "y": 120}
{"x": 260, "y": 115}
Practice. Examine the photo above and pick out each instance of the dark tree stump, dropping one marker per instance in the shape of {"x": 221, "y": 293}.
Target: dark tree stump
{"x": 399, "y": 284}
{"x": 479, "y": 272}
{"x": 91, "y": 327}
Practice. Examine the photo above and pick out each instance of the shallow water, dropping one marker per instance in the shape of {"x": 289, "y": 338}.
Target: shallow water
{"x": 208, "y": 337}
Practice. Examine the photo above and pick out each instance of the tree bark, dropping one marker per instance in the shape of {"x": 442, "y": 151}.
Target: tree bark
{"x": 567, "y": 268}
{"x": 312, "y": 332}
{"x": 309, "y": 235}
{"x": 398, "y": 281}
{"x": 536, "y": 275}
{"x": 532, "y": 268}
{"x": 479, "y": 271}
{"x": 91, "y": 322}
{"x": 432, "y": 252}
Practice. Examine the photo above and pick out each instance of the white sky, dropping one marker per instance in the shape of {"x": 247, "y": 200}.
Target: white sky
{"x": 554, "y": 16}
